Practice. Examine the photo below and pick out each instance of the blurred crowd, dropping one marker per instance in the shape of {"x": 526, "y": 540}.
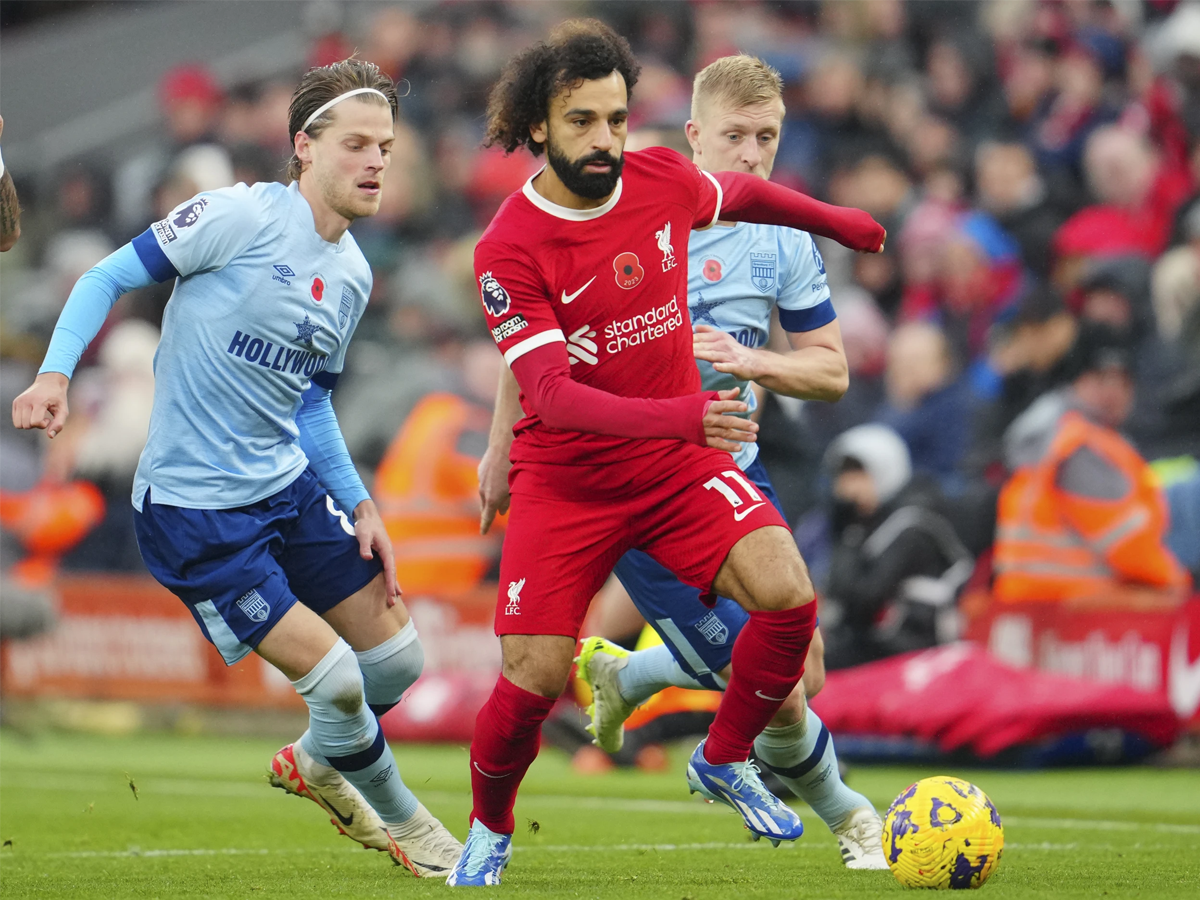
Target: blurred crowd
{"x": 1036, "y": 165}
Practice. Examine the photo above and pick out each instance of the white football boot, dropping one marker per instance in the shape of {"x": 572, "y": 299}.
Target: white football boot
{"x": 430, "y": 850}
{"x": 296, "y": 772}
{"x": 860, "y": 839}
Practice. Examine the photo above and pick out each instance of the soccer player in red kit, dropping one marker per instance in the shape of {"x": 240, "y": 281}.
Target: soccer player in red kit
{"x": 583, "y": 276}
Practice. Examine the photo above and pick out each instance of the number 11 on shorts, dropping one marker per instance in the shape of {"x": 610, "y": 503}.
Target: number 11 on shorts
{"x": 726, "y": 490}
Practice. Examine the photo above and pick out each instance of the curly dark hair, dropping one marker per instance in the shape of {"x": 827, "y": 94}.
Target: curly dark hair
{"x": 578, "y": 50}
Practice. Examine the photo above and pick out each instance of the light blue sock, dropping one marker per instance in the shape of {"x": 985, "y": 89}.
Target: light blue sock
{"x": 389, "y": 669}
{"x": 650, "y": 671}
{"x": 344, "y": 733}
{"x": 802, "y": 756}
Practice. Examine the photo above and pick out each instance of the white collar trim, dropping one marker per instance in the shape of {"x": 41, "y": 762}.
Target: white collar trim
{"x": 565, "y": 212}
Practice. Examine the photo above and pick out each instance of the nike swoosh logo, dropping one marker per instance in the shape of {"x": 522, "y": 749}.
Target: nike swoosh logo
{"x": 1184, "y": 677}
{"x": 485, "y": 774}
{"x": 738, "y": 516}
{"x": 772, "y": 699}
{"x": 567, "y": 298}
{"x": 345, "y": 820}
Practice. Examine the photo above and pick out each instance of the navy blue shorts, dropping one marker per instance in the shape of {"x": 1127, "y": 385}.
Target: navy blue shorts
{"x": 700, "y": 638}
{"x": 239, "y": 570}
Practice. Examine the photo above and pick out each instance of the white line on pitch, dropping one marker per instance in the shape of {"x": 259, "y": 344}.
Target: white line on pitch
{"x": 227, "y": 788}
{"x": 137, "y": 853}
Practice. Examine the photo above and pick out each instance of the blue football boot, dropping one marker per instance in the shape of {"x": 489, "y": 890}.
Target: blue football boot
{"x": 738, "y": 785}
{"x": 483, "y": 858}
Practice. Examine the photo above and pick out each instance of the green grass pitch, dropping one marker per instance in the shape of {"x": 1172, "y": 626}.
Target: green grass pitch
{"x": 205, "y": 824}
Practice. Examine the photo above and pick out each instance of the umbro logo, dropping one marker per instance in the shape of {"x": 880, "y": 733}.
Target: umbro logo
{"x": 282, "y": 274}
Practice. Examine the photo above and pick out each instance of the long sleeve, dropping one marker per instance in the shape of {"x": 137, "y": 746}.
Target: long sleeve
{"x": 748, "y": 198}
{"x": 90, "y": 302}
{"x": 322, "y": 442}
{"x": 544, "y": 375}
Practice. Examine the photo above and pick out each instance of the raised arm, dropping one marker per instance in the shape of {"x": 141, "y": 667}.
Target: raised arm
{"x": 748, "y": 198}
{"x": 44, "y": 403}
{"x": 10, "y": 207}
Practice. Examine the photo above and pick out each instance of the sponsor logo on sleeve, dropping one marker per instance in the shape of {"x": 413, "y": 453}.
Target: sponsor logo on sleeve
{"x": 509, "y": 327}
{"x": 495, "y": 298}
{"x": 188, "y": 214}
{"x": 164, "y": 232}
{"x": 817, "y": 256}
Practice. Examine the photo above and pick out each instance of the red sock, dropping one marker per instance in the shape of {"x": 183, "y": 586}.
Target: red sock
{"x": 507, "y": 732}
{"x": 768, "y": 660}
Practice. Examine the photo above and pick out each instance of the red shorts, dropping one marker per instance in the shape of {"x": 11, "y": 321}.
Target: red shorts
{"x": 558, "y": 552}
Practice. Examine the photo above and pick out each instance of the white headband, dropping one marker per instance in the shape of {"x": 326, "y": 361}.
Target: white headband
{"x": 339, "y": 99}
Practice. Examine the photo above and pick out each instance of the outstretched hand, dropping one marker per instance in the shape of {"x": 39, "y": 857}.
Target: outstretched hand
{"x": 373, "y": 539}
{"x": 724, "y": 431}
{"x": 43, "y": 404}
{"x": 725, "y": 353}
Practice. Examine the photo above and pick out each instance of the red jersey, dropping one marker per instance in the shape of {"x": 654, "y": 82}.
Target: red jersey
{"x": 610, "y": 285}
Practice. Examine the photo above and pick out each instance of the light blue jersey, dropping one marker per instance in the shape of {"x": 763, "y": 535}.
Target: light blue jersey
{"x": 736, "y": 275}
{"x": 262, "y": 307}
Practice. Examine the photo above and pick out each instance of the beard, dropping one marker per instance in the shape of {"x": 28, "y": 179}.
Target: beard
{"x": 345, "y": 200}
{"x": 591, "y": 185}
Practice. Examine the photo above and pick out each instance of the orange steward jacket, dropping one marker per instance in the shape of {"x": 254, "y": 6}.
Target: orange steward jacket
{"x": 1053, "y": 544}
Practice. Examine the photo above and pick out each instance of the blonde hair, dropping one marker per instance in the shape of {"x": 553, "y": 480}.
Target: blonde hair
{"x": 320, "y": 85}
{"x": 739, "y": 80}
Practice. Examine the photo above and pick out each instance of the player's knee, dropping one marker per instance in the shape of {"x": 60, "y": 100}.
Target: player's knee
{"x": 783, "y": 589}
{"x": 792, "y": 710}
{"x": 814, "y": 665}
{"x": 813, "y": 681}
{"x": 334, "y": 687}
{"x": 537, "y": 663}
{"x": 542, "y": 679}
{"x": 391, "y": 668}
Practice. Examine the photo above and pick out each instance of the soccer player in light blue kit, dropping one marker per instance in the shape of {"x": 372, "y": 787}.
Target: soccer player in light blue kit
{"x": 243, "y": 488}
{"x": 736, "y": 274}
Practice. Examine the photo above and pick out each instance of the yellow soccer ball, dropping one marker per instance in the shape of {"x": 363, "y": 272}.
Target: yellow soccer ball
{"x": 942, "y": 832}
